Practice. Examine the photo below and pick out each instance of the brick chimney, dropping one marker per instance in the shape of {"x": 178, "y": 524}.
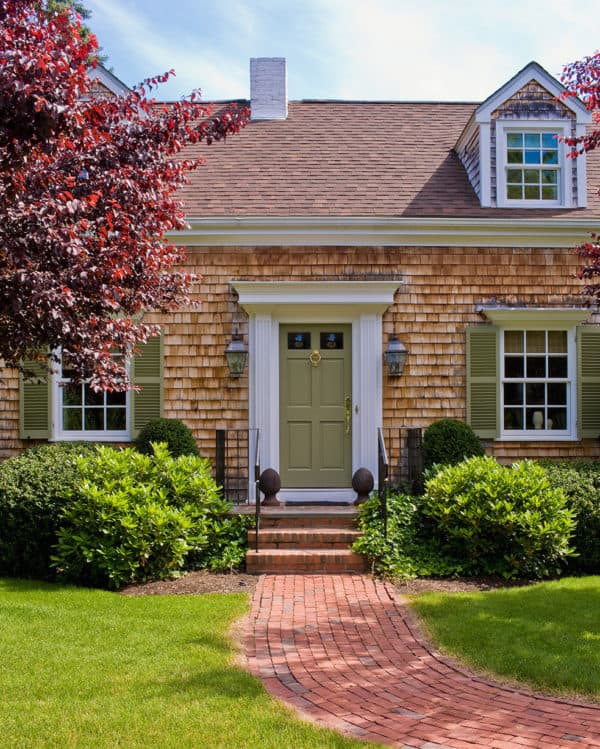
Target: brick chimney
{"x": 268, "y": 88}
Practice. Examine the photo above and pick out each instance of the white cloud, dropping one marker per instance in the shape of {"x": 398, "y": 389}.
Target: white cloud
{"x": 386, "y": 49}
{"x": 151, "y": 51}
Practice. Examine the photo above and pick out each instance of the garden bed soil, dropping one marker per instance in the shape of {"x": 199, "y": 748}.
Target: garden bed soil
{"x": 194, "y": 583}
{"x": 209, "y": 582}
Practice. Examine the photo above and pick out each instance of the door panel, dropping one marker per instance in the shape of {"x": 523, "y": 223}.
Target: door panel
{"x": 332, "y": 445}
{"x": 299, "y": 445}
{"x": 315, "y": 390}
{"x": 331, "y": 381}
{"x": 300, "y": 383}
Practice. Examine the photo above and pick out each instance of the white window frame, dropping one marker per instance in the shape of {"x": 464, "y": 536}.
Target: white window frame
{"x": 565, "y": 166}
{"x": 65, "y": 435}
{"x": 570, "y": 433}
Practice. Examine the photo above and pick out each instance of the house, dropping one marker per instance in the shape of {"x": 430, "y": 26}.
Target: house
{"x": 329, "y": 230}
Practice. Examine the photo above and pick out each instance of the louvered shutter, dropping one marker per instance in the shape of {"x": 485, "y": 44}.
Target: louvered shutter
{"x": 482, "y": 380}
{"x": 34, "y": 394}
{"x": 147, "y": 372}
{"x": 588, "y": 380}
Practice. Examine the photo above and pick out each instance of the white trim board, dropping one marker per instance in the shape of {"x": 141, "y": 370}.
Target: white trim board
{"x": 360, "y": 304}
{"x": 357, "y": 231}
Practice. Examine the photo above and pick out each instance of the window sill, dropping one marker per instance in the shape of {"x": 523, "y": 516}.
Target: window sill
{"x": 92, "y": 437}
{"x": 532, "y": 204}
{"x": 537, "y": 438}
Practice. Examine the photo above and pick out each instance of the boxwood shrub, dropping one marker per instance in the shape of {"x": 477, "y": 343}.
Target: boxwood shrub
{"x": 34, "y": 490}
{"x": 508, "y": 521}
{"x": 174, "y": 433}
{"x": 448, "y": 441}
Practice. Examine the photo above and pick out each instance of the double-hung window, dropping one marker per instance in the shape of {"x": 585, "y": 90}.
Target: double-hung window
{"x": 537, "y": 374}
{"x": 83, "y": 413}
{"x": 533, "y": 374}
{"x": 532, "y": 166}
{"x": 532, "y": 170}
{"x": 53, "y": 407}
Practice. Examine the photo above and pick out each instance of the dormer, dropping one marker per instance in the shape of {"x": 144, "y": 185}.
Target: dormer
{"x": 106, "y": 83}
{"x": 512, "y": 146}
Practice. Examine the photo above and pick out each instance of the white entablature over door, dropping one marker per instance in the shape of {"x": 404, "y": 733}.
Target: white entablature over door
{"x": 358, "y": 303}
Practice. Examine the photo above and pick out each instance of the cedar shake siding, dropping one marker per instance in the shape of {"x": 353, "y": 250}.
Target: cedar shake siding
{"x": 439, "y": 290}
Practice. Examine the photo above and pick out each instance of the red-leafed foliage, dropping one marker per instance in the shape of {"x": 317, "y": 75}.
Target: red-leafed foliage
{"x": 582, "y": 79}
{"x": 87, "y": 193}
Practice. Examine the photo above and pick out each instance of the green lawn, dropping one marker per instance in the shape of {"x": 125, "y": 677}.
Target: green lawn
{"x": 547, "y": 635}
{"x": 85, "y": 668}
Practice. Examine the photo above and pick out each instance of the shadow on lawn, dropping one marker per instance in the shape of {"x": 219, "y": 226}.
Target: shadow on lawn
{"x": 20, "y": 585}
{"x": 226, "y": 681}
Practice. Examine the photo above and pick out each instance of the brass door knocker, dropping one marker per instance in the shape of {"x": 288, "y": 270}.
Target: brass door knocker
{"x": 315, "y": 358}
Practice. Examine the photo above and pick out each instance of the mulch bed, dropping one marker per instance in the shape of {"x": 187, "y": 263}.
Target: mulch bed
{"x": 194, "y": 583}
{"x": 208, "y": 582}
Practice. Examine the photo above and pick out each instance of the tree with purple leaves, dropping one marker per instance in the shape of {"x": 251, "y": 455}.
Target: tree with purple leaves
{"x": 87, "y": 194}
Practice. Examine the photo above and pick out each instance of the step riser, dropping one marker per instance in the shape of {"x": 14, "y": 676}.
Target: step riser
{"x": 268, "y": 564}
{"x": 308, "y": 546}
{"x": 302, "y": 537}
{"x": 299, "y": 522}
{"x": 304, "y": 570}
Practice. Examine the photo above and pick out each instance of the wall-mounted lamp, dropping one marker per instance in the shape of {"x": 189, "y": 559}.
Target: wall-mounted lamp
{"x": 395, "y": 356}
{"x": 236, "y": 354}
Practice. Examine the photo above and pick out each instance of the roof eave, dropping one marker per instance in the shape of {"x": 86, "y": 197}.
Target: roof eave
{"x": 358, "y": 231}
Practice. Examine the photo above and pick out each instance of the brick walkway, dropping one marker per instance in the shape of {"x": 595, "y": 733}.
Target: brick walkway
{"x": 346, "y": 651}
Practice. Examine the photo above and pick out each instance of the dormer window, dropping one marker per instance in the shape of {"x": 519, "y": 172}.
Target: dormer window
{"x": 532, "y": 166}
{"x": 532, "y": 170}
{"x": 513, "y": 148}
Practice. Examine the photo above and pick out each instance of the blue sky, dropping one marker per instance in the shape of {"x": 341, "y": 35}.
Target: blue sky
{"x": 447, "y": 50}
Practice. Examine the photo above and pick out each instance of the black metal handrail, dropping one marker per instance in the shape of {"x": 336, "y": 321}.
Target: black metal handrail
{"x": 256, "y": 489}
{"x": 383, "y": 470}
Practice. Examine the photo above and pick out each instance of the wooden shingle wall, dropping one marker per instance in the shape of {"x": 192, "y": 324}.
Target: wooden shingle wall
{"x": 437, "y": 300}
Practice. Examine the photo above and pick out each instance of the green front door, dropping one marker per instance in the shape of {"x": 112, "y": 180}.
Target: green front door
{"x": 315, "y": 406}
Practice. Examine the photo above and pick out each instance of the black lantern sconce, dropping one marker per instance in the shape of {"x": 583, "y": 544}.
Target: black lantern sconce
{"x": 236, "y": 354}
{"x": 395, "y": 356}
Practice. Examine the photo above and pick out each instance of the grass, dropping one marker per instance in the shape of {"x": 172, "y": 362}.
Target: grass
{"x": 546, "y": 635}
{"x": 86, "y": 668}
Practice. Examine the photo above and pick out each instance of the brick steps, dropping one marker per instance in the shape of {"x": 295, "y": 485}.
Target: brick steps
{"x": 305, "y": 539}
{"x": 313, "y": 517}
{"x": 289, "y": 561}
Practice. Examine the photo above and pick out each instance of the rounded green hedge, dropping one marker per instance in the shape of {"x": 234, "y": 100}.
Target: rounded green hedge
{"x": 448, "y": 441}
{"x": 174, "y": 433}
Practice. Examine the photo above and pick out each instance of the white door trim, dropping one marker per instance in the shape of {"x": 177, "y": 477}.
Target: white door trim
{"x": 359, "y": 303}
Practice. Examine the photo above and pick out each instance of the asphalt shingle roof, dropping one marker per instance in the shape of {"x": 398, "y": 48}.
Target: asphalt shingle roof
{"x": 330, "y": 158}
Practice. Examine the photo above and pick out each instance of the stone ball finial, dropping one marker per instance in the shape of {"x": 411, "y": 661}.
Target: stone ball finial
{"x": 269, "y": 484}
{"x": 362, "y": 483}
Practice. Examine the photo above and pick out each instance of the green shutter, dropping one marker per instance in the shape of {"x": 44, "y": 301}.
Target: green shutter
{"x": 35, "y": 403}
{"x": 147, "y": 372}
{"x": 588, "y": 380}
{"x": 482, "y": 380}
